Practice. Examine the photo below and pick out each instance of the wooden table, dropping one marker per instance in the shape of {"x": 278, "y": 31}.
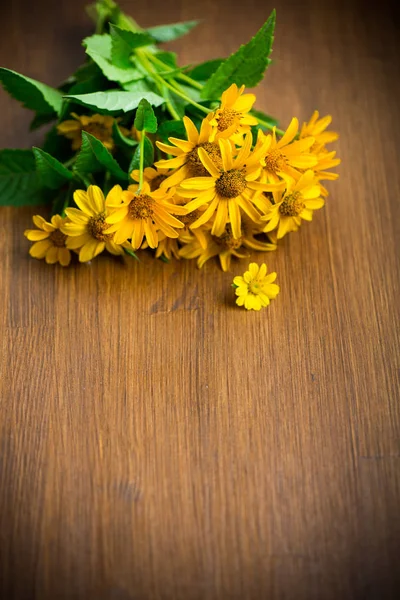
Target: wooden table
{"x": 156, "y": 440}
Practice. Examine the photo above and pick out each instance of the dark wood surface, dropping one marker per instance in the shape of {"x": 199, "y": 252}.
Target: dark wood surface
{"x": 155, "y": 440}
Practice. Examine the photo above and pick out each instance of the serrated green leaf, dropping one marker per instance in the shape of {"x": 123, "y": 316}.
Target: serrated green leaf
{"x": 203, "y": 71}
{"x": 120, "y": 139}
{"x": 123, "y": 43}
{"x": 52, "y": 173}
{"x": 33, "y": 94}
{"x": 19, "y": 181}
{"x": 145, "y": 119}
{"x": 144, "y": 85}
{"x": 94, "y": 156}
{"x": 167, "y": 33}
{"x": 148, "y": 156}
{"x": 172, "y": 129}
{"x": 246, "y": 66}
{"x": 115, "y": 101}
{"x": 99, "y": 48}
{"x": 168, "y": 58}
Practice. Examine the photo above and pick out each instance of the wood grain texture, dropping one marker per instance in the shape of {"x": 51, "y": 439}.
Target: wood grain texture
{"x": 155, "y": 440}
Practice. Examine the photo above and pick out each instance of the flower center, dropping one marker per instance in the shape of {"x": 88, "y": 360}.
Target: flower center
{"x": 190, "y": 218}
{"x": 96, "y": 227}
{"x": 57, "y": 238}
{"x": 156, "y": 182}
{"x": 227, "y": 241}
{"x": 255, "y": 287}
{"x": 275, "y": 161}
{"x": 230, "y": 184}
{"x": 226, "y": 118}
{"x": 196, "y": 167}
{"x": 141, "y": 207}
{"x": 99, "y": 131}
{"x": 292, "y": 205}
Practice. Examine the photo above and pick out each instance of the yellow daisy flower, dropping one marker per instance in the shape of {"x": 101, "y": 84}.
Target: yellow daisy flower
{"x": 86, "y": 230}
{"x": 138, "y": 215}
{"x": 316, "y": 128}
{"x": 255, "y": 288}
{"x": 100, "y": 126}
{"x": 326, "y": 160}
{"x": 229, "y": 187}
{"x": 285, "y": 156}
{"x": 232, "y": 117}
{"x": 49, "y": 240}
{"x": 167, "y": 247}
{"x": 298, "y": 202}
{"x": 187, "y": 162}
{"x": 224, "y": 246}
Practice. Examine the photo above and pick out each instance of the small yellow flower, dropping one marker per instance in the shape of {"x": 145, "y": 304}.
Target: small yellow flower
{"x": 316, "y": 128}
{"x": 229, "y": 187}
{"x": 285, "y": 156}
{"x": 187, "y": 162}
{"x": 49, "y": 240}
{"x": 138, "y": 215}
{"x": 232, "y": 117}
{"x": 298, "y": 202}
{"x": 86, "y": 230}
{"x": 100, "y": 126}
{"x": 255, "y": 289}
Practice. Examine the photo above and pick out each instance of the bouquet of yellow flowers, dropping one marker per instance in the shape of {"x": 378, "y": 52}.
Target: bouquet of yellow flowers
{"x": 144, "y": 153}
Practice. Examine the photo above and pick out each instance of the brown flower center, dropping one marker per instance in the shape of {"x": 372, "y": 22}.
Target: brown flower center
{"x": 292, "y": 205}
{"x": 96, "y": 227}
{"x": 194, "y": 164}
{"x": 231, "y": 184}
{"x": 275, "y": 161}
{"x": 227, "y": 241}
{"x": 227, "y": 118}
{"x": 141, "y": 207}
{"x": 157, "y": 181}
{"x": 99, "y": 131}
{"x": 57, "y": 238}
{"x": 190, "y": 218}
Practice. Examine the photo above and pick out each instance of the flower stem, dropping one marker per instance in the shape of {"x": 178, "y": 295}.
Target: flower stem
{"x": 141, "y": 160}
{"x": 270, "y": 127}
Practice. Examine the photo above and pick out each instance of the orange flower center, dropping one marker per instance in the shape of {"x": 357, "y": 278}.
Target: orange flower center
{"x": 292, "y": 205}
{"x": 275, "y": 161}
{"x": 227, "y": 241}
{"x": 141, "y": 207}
{"x": 96, "y": 227}
{"x": 227, "y": 118}
{"x": 57, "y": 238}
{"x": 190, "y": 218}
{"x": 196, "y": 167}
{"x": 231, "y": 184}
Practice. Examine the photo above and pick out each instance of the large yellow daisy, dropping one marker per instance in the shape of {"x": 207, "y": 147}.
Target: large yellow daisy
{"x": 232, "y": 117}
{"x": 86, "y": 230}
{"x": 285, "y": 156}
{"x": 142, "y": 214}
{"x": 298, "y": 202}
{"x": 49, "y": 240}
{"x": 187, "y": 162}
{"x": 229, "y": 188}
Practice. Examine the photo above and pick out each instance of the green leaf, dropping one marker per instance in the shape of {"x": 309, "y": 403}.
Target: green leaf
{"x": 33, "y": 94}
{"x": 41, "y": 119}
{"x": 94, "y": 156}
{"x": 246, "y": 66}
{"x": 143, "y": 85}
{"x": 99, "y": 48}
{"x": 114, "y": 100}
{"x": 19, "y": 181}
{"x": 167, "y": 33}
{"x": 131, "y": 253}
{"x": 148, "y": 156}
{"x": 203, "y": 71}
{"x": 172, "y": 129}
{"x": 145, "y": 119}
{"x": 168, "y": 58}
{"x": 52, "y": 173}
{"x": 120, "y": 139}
{"x": 123, "y": 43}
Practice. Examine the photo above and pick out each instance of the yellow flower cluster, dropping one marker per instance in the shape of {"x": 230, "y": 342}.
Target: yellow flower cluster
{"x": 219, "y": 193}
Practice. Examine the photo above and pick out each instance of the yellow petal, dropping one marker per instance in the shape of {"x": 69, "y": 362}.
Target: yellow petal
{"x": 39, "y": 249}
{"x": 35, "y": 235}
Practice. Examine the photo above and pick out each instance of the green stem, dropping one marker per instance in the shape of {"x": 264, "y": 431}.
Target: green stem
{"x": 141, "y": 160}
{"x": 70, "y": 161}
{"x": 142, "y": 58}
{"x": 189, "y": 80}
{"x": 270, "y": 127}
{"x": 185, "y": 97}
